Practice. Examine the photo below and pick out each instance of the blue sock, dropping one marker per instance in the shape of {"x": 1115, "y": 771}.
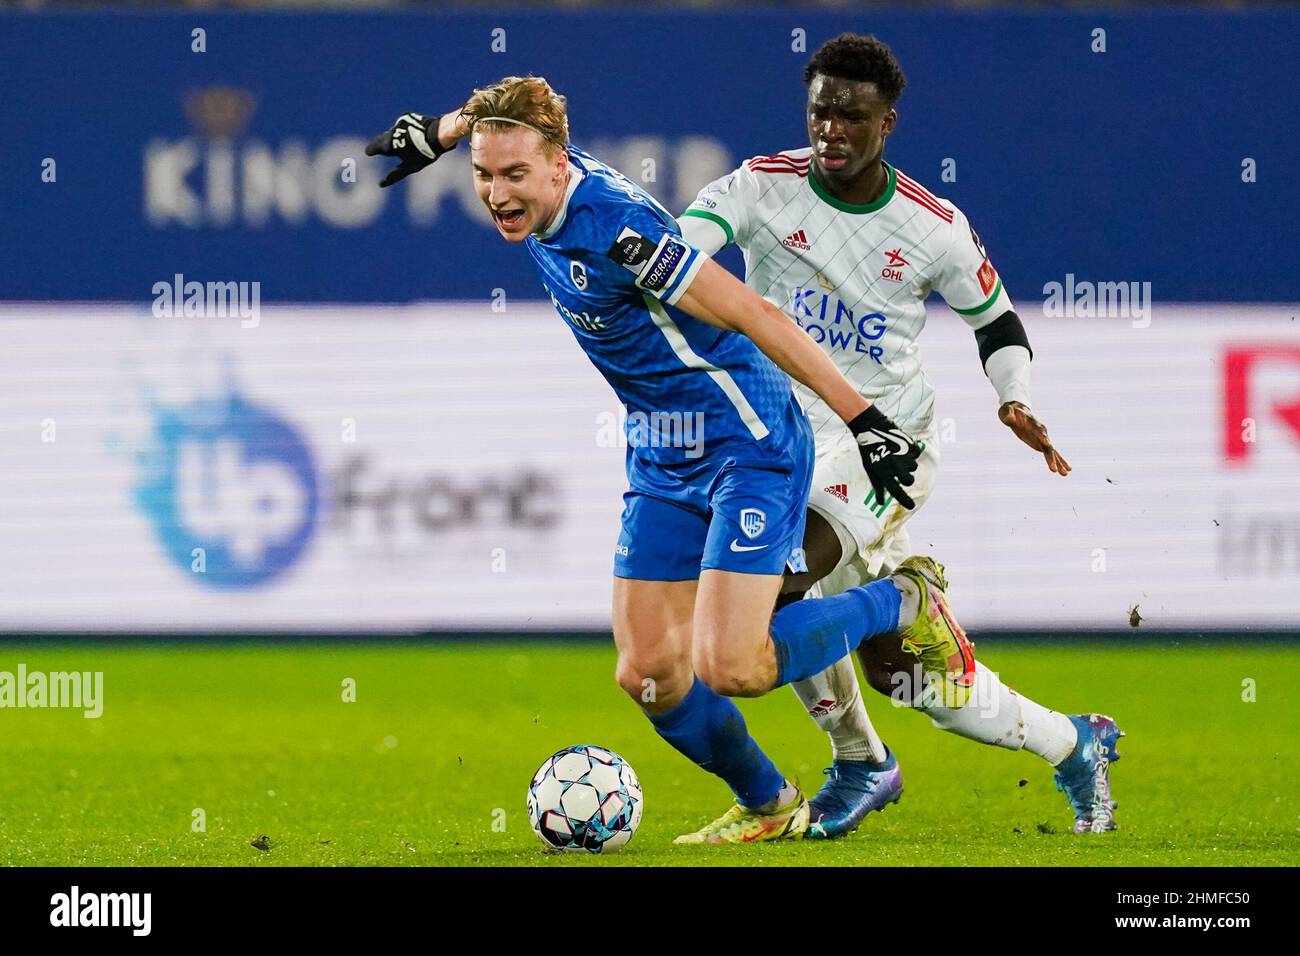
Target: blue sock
{"x": 708, "y": 729}
{"x": 812, "y": 635}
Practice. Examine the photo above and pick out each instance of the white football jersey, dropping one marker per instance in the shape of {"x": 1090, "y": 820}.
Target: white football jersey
{"x": 855, "y": 278}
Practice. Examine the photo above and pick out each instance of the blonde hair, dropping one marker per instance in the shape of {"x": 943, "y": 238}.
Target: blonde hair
{"x": 526, "y": 101}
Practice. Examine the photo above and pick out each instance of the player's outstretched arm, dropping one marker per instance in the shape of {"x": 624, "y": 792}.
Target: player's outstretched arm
{"x": 973, "y": 289}
{"x": 417, "y": 140}
{"x": 1004, "y": 350}
{"x": 1033, "y": 433}
{"x": 720, "y": 299}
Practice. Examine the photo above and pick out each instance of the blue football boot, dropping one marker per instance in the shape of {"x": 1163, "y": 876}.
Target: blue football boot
{"x": 1084, "y": 776}
{"x": 853, "y": 789}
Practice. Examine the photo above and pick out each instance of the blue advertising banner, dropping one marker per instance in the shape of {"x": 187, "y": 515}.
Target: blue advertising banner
{"x": 1154, "y": 147}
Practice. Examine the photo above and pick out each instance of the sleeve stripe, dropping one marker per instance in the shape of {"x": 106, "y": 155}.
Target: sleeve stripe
{"x": 997, "y": 290}
{"x": 714, "y": 218}
{"x": 679, "y": 271}
{"x": 721, "y": 377}
{"x": 687, "y": 277}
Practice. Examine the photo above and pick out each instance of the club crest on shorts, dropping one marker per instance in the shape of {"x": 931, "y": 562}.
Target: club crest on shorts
{"x": 752, "y": 522}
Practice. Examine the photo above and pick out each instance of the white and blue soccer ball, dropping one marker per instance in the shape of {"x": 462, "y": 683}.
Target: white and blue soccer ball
{"x": 585, "y": 799}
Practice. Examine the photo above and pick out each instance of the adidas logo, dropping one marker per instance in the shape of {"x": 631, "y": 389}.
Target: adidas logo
{"x": 823, "y": 707}
{"x": 797, "y": 240}
{"x": 839, "y": 491}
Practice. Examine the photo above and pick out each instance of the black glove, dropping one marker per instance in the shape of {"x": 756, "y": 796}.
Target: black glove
{"x": 888, "y": 453}
{"x": 414, "y": 140}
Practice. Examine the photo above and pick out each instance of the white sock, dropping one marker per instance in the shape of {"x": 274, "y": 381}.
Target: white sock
{"x": 783, "y": 796}
{"x": 910, "y": 604}
{"x": 1049, "y": 734}
{"x": 997, "y": 715}
{"x": 834, "y": 700}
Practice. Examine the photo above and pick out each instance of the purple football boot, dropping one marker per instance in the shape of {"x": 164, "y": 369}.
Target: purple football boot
{"x": 1084, "y": 776}
{"x": 853, "y": 789}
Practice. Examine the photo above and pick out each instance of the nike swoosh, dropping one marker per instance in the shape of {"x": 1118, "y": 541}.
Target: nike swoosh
{"x": 736, "y": 546}
{"x": 897, "y": 445}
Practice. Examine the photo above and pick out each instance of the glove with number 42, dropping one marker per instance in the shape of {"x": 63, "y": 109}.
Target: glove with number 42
{"x": 889, "y": 455}
{"x": 413, "y": 139}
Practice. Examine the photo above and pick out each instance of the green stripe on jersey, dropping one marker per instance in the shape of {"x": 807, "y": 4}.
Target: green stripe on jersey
{"x": 987, "y": 302}
{"x": 713, "y": 217}
{"x": 875, "y": 507}
{"x": 824, "y": 195}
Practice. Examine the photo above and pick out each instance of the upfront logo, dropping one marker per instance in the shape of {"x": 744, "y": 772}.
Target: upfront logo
{"x": 103, "y": 909}
{"x": 231, "y": 490}
{"x": 1109, "y": 300}
{"x": 431, "y": 504}
{"x": 76, "y": 690}
{"x": 208, "y": 300}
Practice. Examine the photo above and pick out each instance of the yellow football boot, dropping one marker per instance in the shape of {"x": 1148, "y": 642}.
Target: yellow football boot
{"x": 935, "y": 638}
{"x": 741, "y": 824}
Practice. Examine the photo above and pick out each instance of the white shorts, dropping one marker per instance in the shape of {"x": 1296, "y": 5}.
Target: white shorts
{"x": 872, "y": 536}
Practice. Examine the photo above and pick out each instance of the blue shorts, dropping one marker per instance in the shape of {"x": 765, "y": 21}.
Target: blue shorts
{"x": 732, "y": 515}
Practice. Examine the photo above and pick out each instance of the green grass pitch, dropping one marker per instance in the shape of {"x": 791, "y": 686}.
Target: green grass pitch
{"x": 430, "y": 764}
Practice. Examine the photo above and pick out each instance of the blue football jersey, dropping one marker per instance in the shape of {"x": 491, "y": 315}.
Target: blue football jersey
{"x": 614, "y": 264}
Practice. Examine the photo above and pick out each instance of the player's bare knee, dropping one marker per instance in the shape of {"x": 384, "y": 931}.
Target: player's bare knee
{"x": 733, "y": 682}
{"x": 732, "y": 675}
{"x": 655, "y": 683}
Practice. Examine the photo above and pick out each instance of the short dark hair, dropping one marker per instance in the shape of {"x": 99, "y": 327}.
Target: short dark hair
{"x": 851, "y": 56}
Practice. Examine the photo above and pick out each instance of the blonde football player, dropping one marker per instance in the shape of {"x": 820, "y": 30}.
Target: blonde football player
{"x": 706, "y": 537}
{"x": 849, "y": 247}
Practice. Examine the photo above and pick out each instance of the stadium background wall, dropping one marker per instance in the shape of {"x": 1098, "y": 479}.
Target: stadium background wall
{"x": 184, "y": 475}
{"x": 393, "y": 491}
{"x": 225, "y": 164}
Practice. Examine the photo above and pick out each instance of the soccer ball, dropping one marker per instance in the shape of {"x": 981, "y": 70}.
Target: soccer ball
{"x": 585, "y": 799}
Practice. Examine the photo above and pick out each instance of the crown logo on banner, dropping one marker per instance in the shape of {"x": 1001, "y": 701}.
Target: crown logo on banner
{"x": 220, "y": 112}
